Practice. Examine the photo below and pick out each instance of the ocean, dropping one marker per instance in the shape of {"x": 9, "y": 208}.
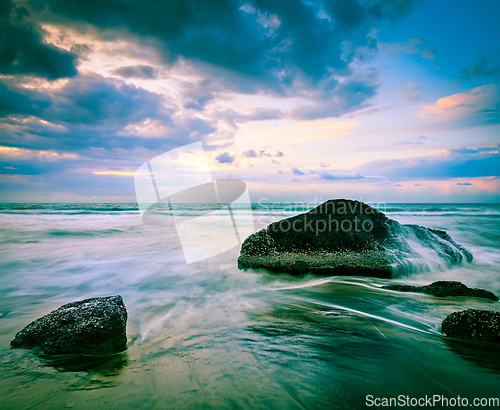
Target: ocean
{"x": 207, "y": 335}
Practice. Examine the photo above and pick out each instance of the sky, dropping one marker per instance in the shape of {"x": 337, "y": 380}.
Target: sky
{"x": 375, "y": 100}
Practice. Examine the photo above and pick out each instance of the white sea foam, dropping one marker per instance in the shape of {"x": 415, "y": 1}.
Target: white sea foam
{"x": 56, "y": 255}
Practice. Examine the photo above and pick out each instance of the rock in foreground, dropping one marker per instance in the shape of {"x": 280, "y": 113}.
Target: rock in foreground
{"x": 344, "y": 237}
{"x": 445, "y": 288}
{"x": 95, "y": 326}
{"x": 473, "y": 324}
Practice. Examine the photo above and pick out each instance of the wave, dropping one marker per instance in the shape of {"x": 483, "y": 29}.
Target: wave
{"x": 488, "y": 213}
{"x": 261, "y": 207}
{"x": 97, "y": 207}
{"x": 84, "y": 233}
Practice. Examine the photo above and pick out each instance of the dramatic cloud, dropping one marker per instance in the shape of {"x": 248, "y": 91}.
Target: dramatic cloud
{"x": 95, "y": 101}
{"x": 14, "y": 102}
{"x": 91, "y": 110}
{"x": 23, "y": 51}
{"x": 89, "y": 90}
{"x": 83, "y": 100}
{"x": 281, "y": 47}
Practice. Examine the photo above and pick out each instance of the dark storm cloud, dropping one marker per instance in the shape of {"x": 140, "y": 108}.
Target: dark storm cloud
{"x": 13, "y": 102}
{"x": 92, "y": 111}
{"x": 22, "y": 50}
{"x": 292, "y": 48}
{"x": 97, "y": 101}
{"x": 271, "y": 42}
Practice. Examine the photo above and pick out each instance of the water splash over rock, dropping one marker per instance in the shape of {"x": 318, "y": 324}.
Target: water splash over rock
{"x": 345, "y": 237}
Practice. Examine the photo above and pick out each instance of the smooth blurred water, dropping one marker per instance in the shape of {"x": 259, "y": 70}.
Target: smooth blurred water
{"x": 229, "y": 338}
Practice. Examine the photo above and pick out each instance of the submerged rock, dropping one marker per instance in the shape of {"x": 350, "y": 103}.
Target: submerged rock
{"x": 445, "y": 288}
{"x": 473, "y": 324}
{"x": 344, "y": 237}
{"x": 94, "y": 326}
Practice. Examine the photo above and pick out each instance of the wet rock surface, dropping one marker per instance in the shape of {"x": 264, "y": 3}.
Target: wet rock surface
{"x": 445, "y": 288}
{"x": 95, "y": 326}
{"x": 344, "y": 237}
{"x": 473, "y": 324}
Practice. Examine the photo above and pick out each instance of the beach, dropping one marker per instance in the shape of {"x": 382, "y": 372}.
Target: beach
{"x": 207, "y": 335}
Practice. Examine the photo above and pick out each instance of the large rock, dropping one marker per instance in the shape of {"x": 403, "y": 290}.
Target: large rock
{"x": 344, "y": 237}
{"x": 445, "y": 288}
{"x": 473, "y": 324}
{"x": 95, "y": 326}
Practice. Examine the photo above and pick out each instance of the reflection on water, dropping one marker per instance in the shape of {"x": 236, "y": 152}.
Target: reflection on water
{"x": 486, "y": 355}
{"x": 207, "y": 335}
{"x": 109, "y": 365}
{"x": 293, "y": 350}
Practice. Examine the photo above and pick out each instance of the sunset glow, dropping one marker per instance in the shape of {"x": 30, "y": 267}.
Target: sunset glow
{"x": 383, "y": 106}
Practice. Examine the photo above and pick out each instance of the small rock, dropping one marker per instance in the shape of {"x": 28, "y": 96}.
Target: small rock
{"x": 473, "y": 324}
{"x": 95, "y": 326}
{"x": 445, "y": 288}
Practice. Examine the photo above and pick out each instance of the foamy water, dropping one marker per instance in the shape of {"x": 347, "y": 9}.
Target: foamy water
{"x": 210, "y": 312}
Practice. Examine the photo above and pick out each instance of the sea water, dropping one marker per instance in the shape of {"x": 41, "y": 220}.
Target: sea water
{"x": 207, "y": 335}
